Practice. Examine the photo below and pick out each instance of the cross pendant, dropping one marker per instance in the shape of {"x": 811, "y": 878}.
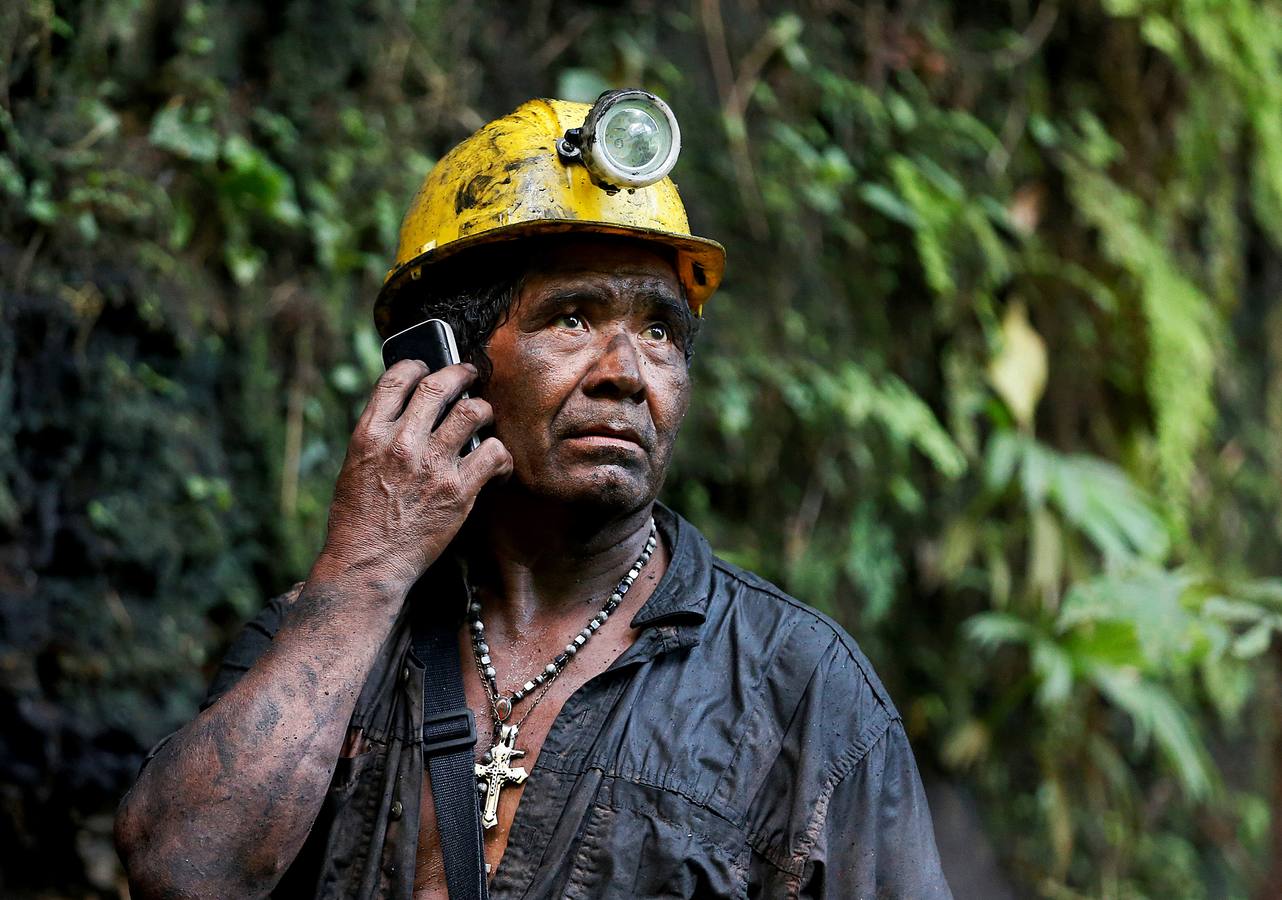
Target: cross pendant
{"x": 496, "y": 774}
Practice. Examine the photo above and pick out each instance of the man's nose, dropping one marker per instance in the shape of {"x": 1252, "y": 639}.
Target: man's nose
{"x": 616, "y": 374}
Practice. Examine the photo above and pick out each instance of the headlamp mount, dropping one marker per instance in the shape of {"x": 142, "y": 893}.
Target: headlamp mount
{"x": 629, "y": 139}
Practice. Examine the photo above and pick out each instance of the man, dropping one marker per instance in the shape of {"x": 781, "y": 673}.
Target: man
{"x": 684, "y": 728}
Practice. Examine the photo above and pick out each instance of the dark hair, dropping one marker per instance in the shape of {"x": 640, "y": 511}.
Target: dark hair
{"x": 474, "y": 293}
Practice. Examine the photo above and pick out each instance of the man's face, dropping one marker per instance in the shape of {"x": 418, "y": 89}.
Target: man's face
{"x": 590, "y": 381}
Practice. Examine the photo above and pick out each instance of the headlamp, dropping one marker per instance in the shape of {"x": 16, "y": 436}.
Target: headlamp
{"x": 629, "y": 139}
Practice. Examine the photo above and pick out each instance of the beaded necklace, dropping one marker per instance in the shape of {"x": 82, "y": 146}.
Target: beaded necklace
{"x": 494, "y": 773}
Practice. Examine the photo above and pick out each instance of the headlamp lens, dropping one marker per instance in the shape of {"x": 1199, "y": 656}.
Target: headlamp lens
{"x": 630, "y": 139}
{"x": 632, "y": 136}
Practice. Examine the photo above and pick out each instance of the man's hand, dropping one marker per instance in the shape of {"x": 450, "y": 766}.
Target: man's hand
{"x": 404, "y": 492}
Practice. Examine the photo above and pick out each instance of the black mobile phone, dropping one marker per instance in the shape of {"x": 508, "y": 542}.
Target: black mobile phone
{"x": 433, "y": 343}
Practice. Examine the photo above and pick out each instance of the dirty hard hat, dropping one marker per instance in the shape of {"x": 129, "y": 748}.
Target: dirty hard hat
{"x": 524, "y": 175}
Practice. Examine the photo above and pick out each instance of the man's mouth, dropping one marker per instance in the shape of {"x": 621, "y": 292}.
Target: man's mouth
{"x": 607, "y": 434}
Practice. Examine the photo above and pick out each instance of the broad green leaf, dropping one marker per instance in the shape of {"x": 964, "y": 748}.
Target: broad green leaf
{"x": 1003, "y": 454}
{"x": 1256, "y": 640}
{"x": 185, "y": 132}
{"x": 1155, "y": 714}
{"x": 993, "y": 629}
{"x": 882, "y": 199}
{"x": 1053, "y": 666}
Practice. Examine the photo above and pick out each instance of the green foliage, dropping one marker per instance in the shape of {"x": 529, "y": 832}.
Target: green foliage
{"x": 1182, "y": 327}
{"x": 993, "y": 377}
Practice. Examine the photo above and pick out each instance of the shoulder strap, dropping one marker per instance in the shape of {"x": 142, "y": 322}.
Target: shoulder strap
{"x": 449, "y": 741}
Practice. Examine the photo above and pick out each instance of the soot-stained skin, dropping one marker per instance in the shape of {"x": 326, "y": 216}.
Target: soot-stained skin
{"x": 595, "y": 343}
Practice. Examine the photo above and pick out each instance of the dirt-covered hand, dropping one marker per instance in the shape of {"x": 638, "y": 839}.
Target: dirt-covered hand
{"x": 404, "y": 492}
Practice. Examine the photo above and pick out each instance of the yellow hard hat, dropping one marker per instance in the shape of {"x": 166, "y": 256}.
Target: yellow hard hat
{"x": 508, "y": 181}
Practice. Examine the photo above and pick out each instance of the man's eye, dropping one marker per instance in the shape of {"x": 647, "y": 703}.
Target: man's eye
{"x": 656, "y": 331}
{"x": 572, "y": 321}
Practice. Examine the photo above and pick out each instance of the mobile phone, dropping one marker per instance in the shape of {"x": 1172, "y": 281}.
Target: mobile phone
{"x": 432, "y": 342}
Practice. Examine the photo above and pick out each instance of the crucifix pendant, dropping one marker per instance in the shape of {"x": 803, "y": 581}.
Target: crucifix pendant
{"x": 496, "y": 774}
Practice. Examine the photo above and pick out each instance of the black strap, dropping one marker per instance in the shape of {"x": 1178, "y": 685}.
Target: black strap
{"x": 449, "y": 741}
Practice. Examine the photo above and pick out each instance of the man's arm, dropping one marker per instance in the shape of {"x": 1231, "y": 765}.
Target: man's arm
{"x": 225, "y": 805}
{"x": 875, "y": 837}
